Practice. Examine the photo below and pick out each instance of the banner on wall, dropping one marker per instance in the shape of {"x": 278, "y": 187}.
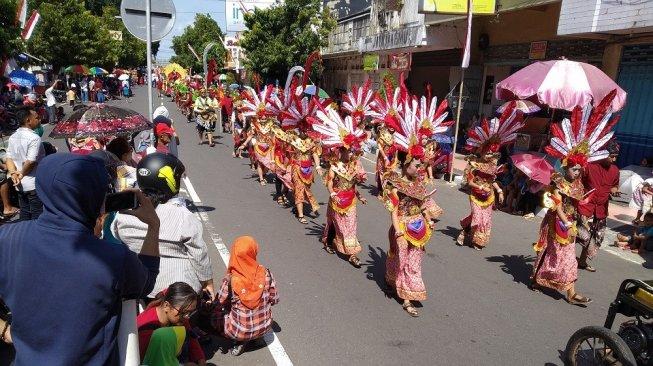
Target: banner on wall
{"x": 457, "y": 6}
{"x": 370, "y": 62}
{"x": 399, "y": 61}
{"x": 537, "y": 51}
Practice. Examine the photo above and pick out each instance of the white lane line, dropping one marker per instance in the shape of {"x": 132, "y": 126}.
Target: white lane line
{"x": 271, "y": 340}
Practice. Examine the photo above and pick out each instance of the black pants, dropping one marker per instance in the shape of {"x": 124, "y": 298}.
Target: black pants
{"x": 30, "y": 205}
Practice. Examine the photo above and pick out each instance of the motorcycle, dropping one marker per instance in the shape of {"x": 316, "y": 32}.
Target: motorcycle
{"x": 631, "y": 345}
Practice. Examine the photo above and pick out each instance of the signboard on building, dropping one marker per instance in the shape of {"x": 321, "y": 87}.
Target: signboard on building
{"x": 399, "y": 61}
{"x": 234, "y": 12}
{"x": 538, "y": 50}
{"x": 456, "y": 6}
{"x": 371, "y": 62}
{"x": 395, "y": 38}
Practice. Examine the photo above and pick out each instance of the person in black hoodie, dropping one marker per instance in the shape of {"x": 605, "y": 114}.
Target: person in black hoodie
{"x": 63, "y": 285}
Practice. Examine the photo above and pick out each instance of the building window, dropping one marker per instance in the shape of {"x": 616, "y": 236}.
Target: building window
{"x": 359, "y": 27}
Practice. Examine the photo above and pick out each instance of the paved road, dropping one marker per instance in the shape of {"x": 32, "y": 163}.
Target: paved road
{"x": 479, "y": 309}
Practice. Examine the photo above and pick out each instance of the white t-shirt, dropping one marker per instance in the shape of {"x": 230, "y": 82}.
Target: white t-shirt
{"x": 84, "y": 85}
{"x": 25, "y": 145}
{"x": 91, "y": 85}
{"x": 49, "y": 96}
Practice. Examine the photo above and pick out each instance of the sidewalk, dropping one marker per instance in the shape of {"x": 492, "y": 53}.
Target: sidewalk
{"x": 620, "y": 217}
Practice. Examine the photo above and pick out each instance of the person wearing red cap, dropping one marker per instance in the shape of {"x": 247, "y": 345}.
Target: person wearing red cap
{"x": 163, "y": 135}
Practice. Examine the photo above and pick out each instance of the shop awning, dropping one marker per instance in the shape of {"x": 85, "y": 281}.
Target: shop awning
{"x": 502, "y": 6}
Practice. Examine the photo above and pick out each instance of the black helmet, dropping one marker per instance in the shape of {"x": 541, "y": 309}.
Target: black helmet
{"x": 159, "y": 175}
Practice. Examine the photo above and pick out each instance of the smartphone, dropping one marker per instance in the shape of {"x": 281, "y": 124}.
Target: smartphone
{"x": 120, "y": 201}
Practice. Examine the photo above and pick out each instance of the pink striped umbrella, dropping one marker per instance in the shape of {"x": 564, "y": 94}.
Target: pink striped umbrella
{"x": 561, "y": 84}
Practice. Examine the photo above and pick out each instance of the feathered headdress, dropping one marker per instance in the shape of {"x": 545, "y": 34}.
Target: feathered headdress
{"x": 490, "y": 136}
{"x": 336, "y": 131}
{"x": 298, "y": 109}
{"x": 386, "y": 108}
{"x": 583, "y": 138}
{"x": 260, "y": 105}
{"x": 358, "y": 102}
{"x": 417, "y": 123}
{"x": 431, "y": 119}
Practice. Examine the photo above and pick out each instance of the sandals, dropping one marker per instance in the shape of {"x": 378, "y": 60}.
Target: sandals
{"x": 263, "y": 182}
{"x": 587, "y": 267}
{"x": 355, "y": 261}
{"x": 410, "y": 309}
{"x": 328, "y": 249}
{"x": 477, "y": 247}
{"x": 302, "y": 220}
{"x": 577, "y": 299}
{"x": 280, "y": 200}
{"x": 460, "y": 240}
{"x": 238, "y": 349}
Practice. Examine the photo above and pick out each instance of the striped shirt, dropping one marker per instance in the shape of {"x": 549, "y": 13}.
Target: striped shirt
{"x": 184, "y": 254}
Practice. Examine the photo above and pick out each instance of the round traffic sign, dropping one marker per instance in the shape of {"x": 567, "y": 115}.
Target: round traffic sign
{"x": 162, "y": 17}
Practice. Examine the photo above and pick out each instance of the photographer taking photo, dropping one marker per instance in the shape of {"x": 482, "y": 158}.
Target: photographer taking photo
{"x": 184, "y": 253}
{"x": 63, "y": 285}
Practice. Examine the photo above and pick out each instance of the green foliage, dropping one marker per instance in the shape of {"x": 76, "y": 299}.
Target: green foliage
{"x": 198, "y": 35}
{"x": 283, "y": 36}
{"x": 77, "y": 32}
{"x": 131, "y": 51}
{"x": 69, "y": 34}
{"x": 97, "y": 6}
{"x": 9, "y": 31}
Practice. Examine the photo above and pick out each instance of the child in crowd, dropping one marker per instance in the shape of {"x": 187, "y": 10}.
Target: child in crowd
{"x": 642, "y": 234}
{"x": 643, "y": 199}
{"x": 164, "y": 135}
{"x": 71, "y": 95}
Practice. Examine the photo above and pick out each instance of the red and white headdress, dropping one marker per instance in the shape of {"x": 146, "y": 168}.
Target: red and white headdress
{"x": 260, "y": 105}
{"x": 583, "y": 138}
{"x": 417, "y": 124}
{"x": 298, "y": 109}
{"x": 336, "y": 131}
{"x": 358, "y": 102}
{"x": 386, "y": 108}
{"x": 490, "y": 136}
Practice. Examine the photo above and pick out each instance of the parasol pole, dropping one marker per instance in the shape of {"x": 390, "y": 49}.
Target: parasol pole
{"x": 467, "y": 51}
{"x": 458, "y": 109}
{"x": 148, "y": 42}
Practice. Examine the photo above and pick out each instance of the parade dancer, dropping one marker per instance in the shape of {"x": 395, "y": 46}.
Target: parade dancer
{"x": 576, "y": 142}
{"x": 385, "y": 111}
{"x": 283, "y": 178}
{"x": 304, "y": 160}
{"x": 205, "y": 111}
{"x": 304, "y": 156}
{"x": 485, "y": 140}
{"x": 258, "y": 107}
{"x": 407, "y": 195}
{"x": 346, "y": 138}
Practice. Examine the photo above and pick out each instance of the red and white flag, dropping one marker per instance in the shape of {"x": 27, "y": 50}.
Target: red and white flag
{"x": 21, "y": 13}
{"x": 31, "y": 24}
{"x": 468, "y": 39}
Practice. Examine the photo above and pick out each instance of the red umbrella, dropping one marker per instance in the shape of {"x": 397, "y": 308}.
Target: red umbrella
{"x": 534, "y": 166}
{"x": 100, "y": 120}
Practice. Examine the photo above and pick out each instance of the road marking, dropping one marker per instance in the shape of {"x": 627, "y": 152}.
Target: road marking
{"x": 271, "y": 340}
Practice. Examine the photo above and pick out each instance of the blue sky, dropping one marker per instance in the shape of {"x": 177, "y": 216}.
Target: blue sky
{"x": 186, "y": 10}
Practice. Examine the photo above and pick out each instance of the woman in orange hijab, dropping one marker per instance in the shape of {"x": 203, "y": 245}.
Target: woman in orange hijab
{"x": 246, "y": 295}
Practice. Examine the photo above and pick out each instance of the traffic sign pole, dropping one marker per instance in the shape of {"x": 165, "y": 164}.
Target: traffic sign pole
{"x": 148, "y": 33}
